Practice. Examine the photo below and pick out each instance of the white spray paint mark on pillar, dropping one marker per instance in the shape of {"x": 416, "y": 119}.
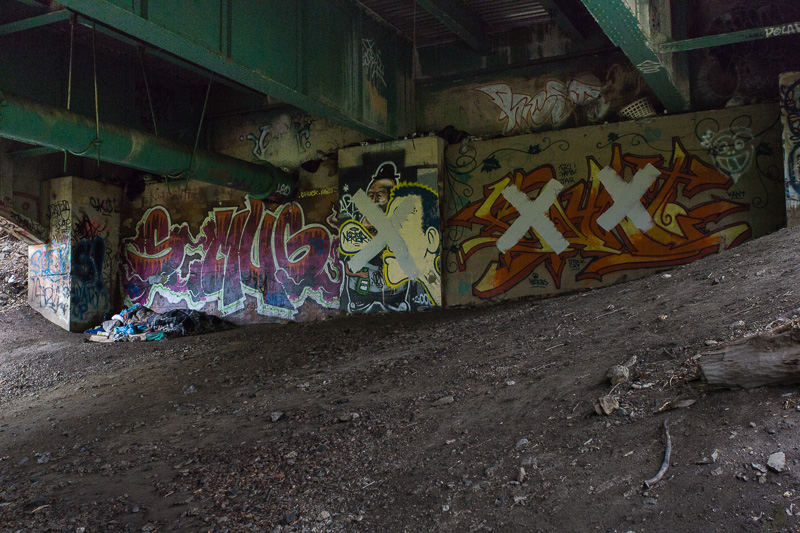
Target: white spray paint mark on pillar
{"x": 532, "y": 214}
{"x": 388, "y": 228}
{"x": 627, "y": 198}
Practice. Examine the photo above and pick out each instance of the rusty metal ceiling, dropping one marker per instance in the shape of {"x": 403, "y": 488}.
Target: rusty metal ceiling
{"x": 423, "y": 29}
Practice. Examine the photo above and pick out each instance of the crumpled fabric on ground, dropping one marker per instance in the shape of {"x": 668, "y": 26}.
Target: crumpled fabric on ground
{"x": 188, "y": 322}
{"x": 140, "y": 319}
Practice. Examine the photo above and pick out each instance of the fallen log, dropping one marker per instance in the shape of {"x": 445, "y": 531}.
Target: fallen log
{"x": 769, "y": 358}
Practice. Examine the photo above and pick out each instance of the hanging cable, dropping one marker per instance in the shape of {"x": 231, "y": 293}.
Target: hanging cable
{"x": 414, "y": 45}
{"x": 96, "y": 102}
{"x": 147, "y": 88}
{"x": 199, "y": 129}
{"x": 69, "y": 74}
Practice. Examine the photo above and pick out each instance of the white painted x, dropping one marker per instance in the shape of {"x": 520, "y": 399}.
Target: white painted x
{"x": 627, "y": 198}
{"x": 388, "y": 228}
{"x": 532, "y": 215}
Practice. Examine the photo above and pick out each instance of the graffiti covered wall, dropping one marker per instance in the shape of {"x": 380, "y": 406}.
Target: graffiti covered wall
{"x": 72, "y": 278}
{"x": 285, "y": 138}
{"x": 522, "y": 104}
{"x": 236, "y": 257}
{"x": 790, "y": 117}
{"x": 390, "y": 232}
{"x": 542, "y": 214}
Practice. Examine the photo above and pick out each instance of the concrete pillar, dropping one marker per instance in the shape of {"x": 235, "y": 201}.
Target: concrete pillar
{"x": 72, "y": 279}
{"x": 790, "y": 114}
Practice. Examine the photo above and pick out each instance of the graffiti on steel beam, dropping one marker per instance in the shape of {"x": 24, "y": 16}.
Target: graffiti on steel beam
{"x": 372, "y": 62}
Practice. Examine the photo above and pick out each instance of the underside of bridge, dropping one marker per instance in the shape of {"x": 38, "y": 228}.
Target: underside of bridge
{"x": 295, "y": 159}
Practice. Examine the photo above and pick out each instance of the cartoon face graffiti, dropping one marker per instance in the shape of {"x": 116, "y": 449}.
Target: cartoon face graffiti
{"x": 732, "y": 150}
{"x": 420, "y": 231}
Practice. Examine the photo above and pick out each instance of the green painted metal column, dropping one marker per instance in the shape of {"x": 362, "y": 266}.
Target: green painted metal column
{"x": 622, "y": 27}
{"x": 710, "y": 41}
{"x": 30, "y": 122}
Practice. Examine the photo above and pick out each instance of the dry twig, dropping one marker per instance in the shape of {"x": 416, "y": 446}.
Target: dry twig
{"x": 611, "y": 312}
{"x": 652, "y": 481}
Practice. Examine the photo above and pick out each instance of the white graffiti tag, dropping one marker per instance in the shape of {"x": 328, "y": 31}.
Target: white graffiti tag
{"x": 260, "y": 143}
{"x": 532, "y": 215}
{"x": 627, "y": 198}
{"x": 284, "y": 190}
{"x": 553, "y": 104}
{"x": 372, "y": 63}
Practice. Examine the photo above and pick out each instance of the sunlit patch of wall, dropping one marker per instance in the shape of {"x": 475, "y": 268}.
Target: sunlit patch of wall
{"x": 603, "y": 204}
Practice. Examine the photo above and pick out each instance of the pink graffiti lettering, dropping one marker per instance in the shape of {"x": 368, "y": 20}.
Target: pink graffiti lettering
{"x": 275, "y": 257}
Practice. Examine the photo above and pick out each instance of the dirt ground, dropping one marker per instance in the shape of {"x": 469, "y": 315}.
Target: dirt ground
{"x": 464, "y": 420}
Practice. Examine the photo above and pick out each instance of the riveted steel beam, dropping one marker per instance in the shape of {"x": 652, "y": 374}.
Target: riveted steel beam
{"x": 208, "y": 44}
{"x": 35, "y": 22}
{"x": 459, "y": 19}
{"x": 622, "y": 27}
{"x": 31, "y": 152}
{"x": 710, "y": 41}
{"x": 33, "y": 123}
{"x": 561, "y": 20}
{"x": 32, "y": 3}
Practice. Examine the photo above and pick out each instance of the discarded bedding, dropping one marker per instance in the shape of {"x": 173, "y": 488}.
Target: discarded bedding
{"x": 140, "y": 323}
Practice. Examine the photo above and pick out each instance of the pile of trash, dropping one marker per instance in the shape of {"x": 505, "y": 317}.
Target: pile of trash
{"x": 139, "y": 323}
{"x": 13, "y": 272}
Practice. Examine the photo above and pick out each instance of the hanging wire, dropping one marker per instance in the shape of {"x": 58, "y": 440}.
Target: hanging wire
{"x": 199, "y": 129}
{"x": 97, "y": 140}
{"x": 69, "y": 76}
{"x": 147, "y": 88}
{"x": 414, "y": 45}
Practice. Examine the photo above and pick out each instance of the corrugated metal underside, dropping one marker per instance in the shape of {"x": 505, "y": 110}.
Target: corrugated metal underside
{"x": 424, "y": 29}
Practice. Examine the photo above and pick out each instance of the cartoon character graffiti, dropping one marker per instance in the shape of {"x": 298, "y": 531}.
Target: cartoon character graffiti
{"x": 420, "y": 231}
{"x": 732, "y": 149}
{"x": 402, "y": 269}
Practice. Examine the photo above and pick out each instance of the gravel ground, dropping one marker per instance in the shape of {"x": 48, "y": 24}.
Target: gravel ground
{"x": 465, "y": 420}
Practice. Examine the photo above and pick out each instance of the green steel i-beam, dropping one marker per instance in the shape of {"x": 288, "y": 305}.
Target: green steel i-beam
{"x": 709, "y": 41}
{"x": 33, "y": 123}
{"x": 459, "y": 19}
{"x": 34, "y": 22}
{"x": 163, "y": 33}
{"x": 561, "y": 20}
{"x": 622, "y": 27}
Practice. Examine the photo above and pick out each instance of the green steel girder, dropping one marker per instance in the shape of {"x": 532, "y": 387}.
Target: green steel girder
{"x": 30, "y": 152}
{"x": 155, "y": 52}
{"x": 561, "y": 20}
{"x": 459, "y": 19}
{"x": 782, "y": 30}
{"x": 228, "y": 41}
{"x": 622, "y": 27}
{"x": 35, "y": 22}
{"x": 32, "y": 3}
{"x": 33, "y": 123}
